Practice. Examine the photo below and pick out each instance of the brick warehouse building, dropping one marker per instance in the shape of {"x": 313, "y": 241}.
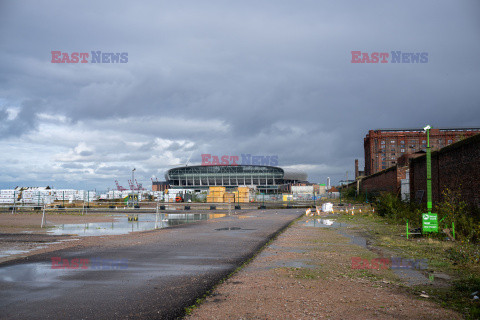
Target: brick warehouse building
{"x": 384, "y": 146}
{"x": 456, "y": 167}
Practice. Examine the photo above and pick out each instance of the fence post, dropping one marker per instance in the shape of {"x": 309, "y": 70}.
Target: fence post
{"x": 156, "y": 217}
{"x": 43, "y": 216}
{"x": 407, "y": 229}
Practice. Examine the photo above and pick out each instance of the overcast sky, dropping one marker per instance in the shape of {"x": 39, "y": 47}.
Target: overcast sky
{"x": 223, "y": 77}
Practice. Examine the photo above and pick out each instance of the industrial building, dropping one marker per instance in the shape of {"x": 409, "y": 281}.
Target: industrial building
{"x": 267, "y": 179}
{"x": 384, "y": 146}
{"x": 43, "y": 195}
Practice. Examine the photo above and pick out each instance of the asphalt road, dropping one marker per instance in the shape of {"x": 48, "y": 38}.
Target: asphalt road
{"x": 154, "y": 279}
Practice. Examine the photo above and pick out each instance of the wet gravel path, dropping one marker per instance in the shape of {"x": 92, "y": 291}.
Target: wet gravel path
{"x": 148, "y": 275}
{"x": 306, "y": 273}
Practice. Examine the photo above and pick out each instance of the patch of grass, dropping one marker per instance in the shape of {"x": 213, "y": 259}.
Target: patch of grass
{"x": 458, "y": 296}
{"x": 363, "y": 274}
{"x": 198, "y": 302}
{"x": 307, "y": 273}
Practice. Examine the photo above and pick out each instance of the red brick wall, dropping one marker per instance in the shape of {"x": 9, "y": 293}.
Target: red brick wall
{"x": 384, "y": 181}
{"x": 456, "y": 167}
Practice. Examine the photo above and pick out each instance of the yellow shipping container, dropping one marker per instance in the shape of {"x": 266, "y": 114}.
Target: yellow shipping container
{"x": 222, "y": 189}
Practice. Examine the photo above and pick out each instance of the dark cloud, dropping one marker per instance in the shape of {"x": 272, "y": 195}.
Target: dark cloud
{"x": 21, "y": 120}
{"x": 226, "y": 78}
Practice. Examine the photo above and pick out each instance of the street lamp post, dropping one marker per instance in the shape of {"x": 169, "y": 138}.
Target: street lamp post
{"x": 133, "y": 176}
{"x": 429, "y": 219}
{"x": 133, "y": 187}
{"x": 429, "y": 172}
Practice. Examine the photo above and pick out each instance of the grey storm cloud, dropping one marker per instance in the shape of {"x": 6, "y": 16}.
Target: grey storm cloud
{"x": 224, "y": 77}
{"x": 16, "y": 121}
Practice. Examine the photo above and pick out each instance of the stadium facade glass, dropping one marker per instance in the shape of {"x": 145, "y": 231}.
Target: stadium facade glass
{"x": 263, "y": 177}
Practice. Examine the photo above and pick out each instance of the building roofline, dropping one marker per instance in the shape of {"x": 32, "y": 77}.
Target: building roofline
{"x": 421, "y": 129}
{"x": 228, "y": 165}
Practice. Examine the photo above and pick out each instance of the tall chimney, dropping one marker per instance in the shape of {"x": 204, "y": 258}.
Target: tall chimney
{"x": 356, "y": 168}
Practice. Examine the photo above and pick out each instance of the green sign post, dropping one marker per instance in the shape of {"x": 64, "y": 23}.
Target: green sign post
{"x": 429, "y": 219}
{"x": 430, "y": 222}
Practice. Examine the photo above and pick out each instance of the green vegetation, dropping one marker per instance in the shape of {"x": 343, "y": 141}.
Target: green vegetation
{"x": 459, "y": 259}
{"x": 391, "y": 207}
{"x": 307, "y": 273}
{"x": 452, "y": 209}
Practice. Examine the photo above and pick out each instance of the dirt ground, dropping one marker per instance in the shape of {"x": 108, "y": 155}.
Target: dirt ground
{"x": 10, "y": 223}
{"x": 306, "y": 273}
{"x": 21, "y": 235}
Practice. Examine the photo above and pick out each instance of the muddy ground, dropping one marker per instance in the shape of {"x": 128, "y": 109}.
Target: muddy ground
{"x": 306, "y": 273}
{"x": 22, "y": 236}
{"x": 164, "y": 271}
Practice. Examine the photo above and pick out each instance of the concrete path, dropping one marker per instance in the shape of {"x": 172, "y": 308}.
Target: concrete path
{"x": 157, "y": 274}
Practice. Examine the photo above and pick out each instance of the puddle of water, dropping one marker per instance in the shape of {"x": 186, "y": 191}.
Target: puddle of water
{"x": 361, "y": 241}
{"x": 11, "y": 252}
{"x": 121, "y": 225}
{"x": 412, "y": 276}
{"x": 37, "y": 273}
{"x": 38, "y": 281}
{"x": 233, "y": 229}
{"x": 14, "y": 251}
{"x": 321, "y": 223}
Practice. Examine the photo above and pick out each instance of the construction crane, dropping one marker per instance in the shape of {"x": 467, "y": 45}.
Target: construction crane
{"x": 130, "y": 183}
{"x": 119, "y": 187}
{"x": 139, "y": 185}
